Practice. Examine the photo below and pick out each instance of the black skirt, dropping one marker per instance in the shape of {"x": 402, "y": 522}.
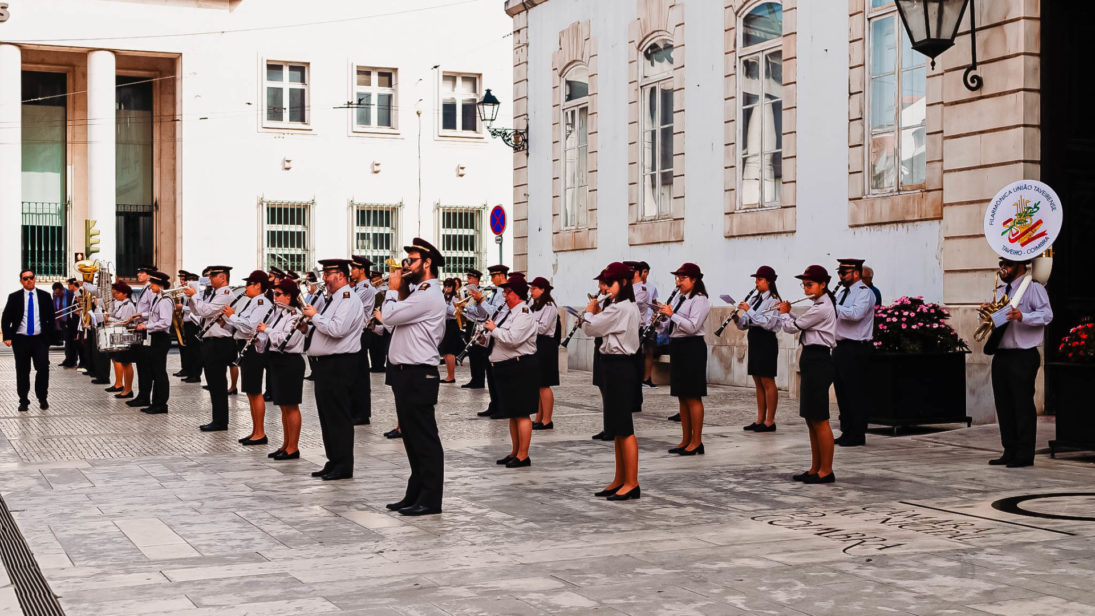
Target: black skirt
{"x": 517, "y": 383}
{"x": 621, "y": 388}
{"x": 688, "y": 367}
{"x": 763, "y": 352}
{"x": 597, "y": 362}
{"x": 286, "y": 378}
{"x": 547, "y": 355}
{"x": 123, "y": 357}
{"x": 816, "y": 374}
{"x": 453, "y": 342}
{"x": 252, "y": 367}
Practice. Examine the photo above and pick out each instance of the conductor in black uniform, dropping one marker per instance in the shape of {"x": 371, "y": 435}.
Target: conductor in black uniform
{"x": 417, "y": 321}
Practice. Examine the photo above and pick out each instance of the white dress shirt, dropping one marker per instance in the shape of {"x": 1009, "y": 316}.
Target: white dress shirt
{"x": 417, "y": 324}
{"x": 817, "y": 324}
{"x": 761, "y": 313}
{"x": 337, "y": 328}
{"x": 30, "y": 297}
{"x": 515, "y": 335}
{"x": 855, "y": 312}
{"x": 1037, "y": 313}
{"x": 617, "y": 326}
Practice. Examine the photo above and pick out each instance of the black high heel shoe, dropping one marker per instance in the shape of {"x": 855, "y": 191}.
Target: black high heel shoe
{"x": 505, "y": 460}
{"x": 801, "y": 476}
{"x": 113, "y": 389}
{"x": 273, "y": 454}
{"x": 608, "y": 492}
{"x": 691, "y": 452}
{"x": 283, "y": 455}
{"x": 676, "y": 450}
{"x": 633, "y": 493}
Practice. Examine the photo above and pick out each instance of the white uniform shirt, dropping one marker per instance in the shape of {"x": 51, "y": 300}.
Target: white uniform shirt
{"x": 281, "y": 332}
{"x": 1037, "y": 313}
{"x": 761, "y": 313}
{"x": 123, "y": 310}
{"x": 246, "y": 321}
{"x": 367, "y": 294}
{"x": 489, "y": 307}
{"x": 337, "y": 328}
{"x": 417, "y": 324}
{"x": 617, "y": 326}
{"x": 210, "y": 311}
{"x": 546, "y": 318}
{"x": 160, "y": 312}
{"x": 144, "y": 300}
{"x": 642, "y": 300}
{"x": 515, "y": 336}
{"x": 817, "y": 324}
{"x": 855, "y": 312}
{"x": 689, "y": 317}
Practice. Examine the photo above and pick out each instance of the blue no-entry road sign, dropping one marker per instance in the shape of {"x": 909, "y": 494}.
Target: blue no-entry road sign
{"x": 498, "y": 220}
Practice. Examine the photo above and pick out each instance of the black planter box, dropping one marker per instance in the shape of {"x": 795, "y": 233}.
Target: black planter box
{"x": 1073, "y": 405}
{"x": 913, "y": 389}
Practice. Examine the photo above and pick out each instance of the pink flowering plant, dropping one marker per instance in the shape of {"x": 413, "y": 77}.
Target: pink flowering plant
{"x": 911, "y": 325}
{"x": 1079, "y": 344}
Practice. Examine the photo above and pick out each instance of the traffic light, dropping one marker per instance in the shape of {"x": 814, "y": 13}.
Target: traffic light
{"x": 91, "y": 238}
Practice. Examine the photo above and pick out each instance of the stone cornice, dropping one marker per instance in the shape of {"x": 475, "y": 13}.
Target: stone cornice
{"x": 516, "y": 7}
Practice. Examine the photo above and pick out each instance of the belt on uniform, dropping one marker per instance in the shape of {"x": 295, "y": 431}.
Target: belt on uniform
{"x": 406, "y": 367}
{"x": 509, "y": 362}
{"x": 847, "y": 342}
{"x": 614, "y": 357}
{"x": 321, "y": 358}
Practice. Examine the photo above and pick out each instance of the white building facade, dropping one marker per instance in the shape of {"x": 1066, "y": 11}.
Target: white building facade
{"x": 249, "y": 133}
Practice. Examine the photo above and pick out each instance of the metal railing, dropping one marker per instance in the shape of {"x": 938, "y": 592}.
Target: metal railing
{"x": 461, "y": 237}
{"x": 44, "y": 238}
{"x": 287, "y": 234}
{"x": 374, "y": 229}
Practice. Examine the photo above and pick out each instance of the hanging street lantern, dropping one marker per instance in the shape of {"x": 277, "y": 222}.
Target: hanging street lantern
{"x": 488, "y": 113}
{"x": 932, "y": 26}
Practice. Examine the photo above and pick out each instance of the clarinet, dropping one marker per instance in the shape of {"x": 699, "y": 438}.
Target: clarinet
{"x": 718, "y": 332}
{"x": 578, "y": 323}
{"x": 476, "y": 334}
{"x": 650, "y": 331}
{"x": 251, "y": 339}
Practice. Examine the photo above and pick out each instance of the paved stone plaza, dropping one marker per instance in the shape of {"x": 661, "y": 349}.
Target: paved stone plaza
{"x": 133, "y": 514}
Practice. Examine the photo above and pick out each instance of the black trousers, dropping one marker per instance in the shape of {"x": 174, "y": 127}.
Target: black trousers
{"x": 335, "y": 377}
{"x": 192, "y": 360}
{"x": 362, "y": 398}
{"x": 217, "y": 354}
{"x": 378, "y": 349}
{"x": 99, "y": 362}
{"x": 477, "y": 356}
{"x": 415, "y": 389}
{"x": 28, "y": 350}
{"x": 492, "y": 389}
{"x": 72, "y": 349}
{"x": 851, "y": 361}
{"x": 1014, "y": 372}
{"x": 157, "y": 367}
{"x": 142, "y": 361}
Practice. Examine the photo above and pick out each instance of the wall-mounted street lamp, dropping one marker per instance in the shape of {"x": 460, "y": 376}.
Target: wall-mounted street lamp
{"x": 932, "y": 26}
{"x": 488, "y": 112}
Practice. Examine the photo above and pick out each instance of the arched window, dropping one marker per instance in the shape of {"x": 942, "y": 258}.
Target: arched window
{"x": 760, "y": 105}
{"x": 656, "y": 128}
{"x": 575, "y": 138}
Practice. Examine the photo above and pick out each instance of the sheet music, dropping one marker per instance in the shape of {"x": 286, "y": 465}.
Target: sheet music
{"x": 1001, "y": 316}
{"x": 728, "y": 299}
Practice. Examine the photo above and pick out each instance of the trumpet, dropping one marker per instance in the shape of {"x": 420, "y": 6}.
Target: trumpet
{"x": 733, "y": 315}
{"x": 578, "y": 323}
{"x": 459, "y": 311}
{"x": 174, "y": 293}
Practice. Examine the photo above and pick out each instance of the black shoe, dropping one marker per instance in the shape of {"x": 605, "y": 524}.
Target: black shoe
{"x": 543, "y": 426}
{"x": 205, "y": 387}
{"x": 851, "y": 442}
{"x": 123, "y": 396}
{"x": 180, "y": 373}
{"x": 649, "y": 383}
{"x": 676, "y": 450}
{"x": 393, "y": 434}
{"x": 602, "y": 436}
{"x": 113, "y": 389}
{"x": 65, "y": 364}
{"x": 397, "y": 506}
{"x": 136, "y": 402}
{"x": 249, "y": 441}
{"x": 498, "y": 416}
{"x": 1017, "y": 463}
{"x": 802, "y": 476}
{"x": 42, "y": 404}
{"x": 608, "y": 492}
{"x": 751, "y": 427}
{"x": 272, "y": 453}
{"x": 472, "y": 385}
{"x": 486, "y": 413}
{"x": 676, "y": 418}
{"x": 335, "y": 476}
{"x": 312, "y": 378}
{"x": 282, "y": 455}
{"x": 630, "y": 494}
{"x": 830, "y": 478}
{"x": 504, "y": 460}
{"x": 155, "y": 409}
{"x": 764, "y": 428}
{"x": 193, "y": 379}
{"x": 1002, "y": 460}
{"x": 419, "y": 510}
{"x": 212, "y": 427}
{"x": 448, "y": 381}
{"x": 321, "y": 472}
{"x": 233, "y": 391}
{"x": 267, "y": 397}
{"x": 691, "y": 452}
{"x": 362, "y": 422}
{"x": 24, "y": 407}
{"x": 536, "y": 425}
{"x": 518, "y": 463}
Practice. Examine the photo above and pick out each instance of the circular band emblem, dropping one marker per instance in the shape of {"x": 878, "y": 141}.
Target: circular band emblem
{"x": 1023, "y": 220}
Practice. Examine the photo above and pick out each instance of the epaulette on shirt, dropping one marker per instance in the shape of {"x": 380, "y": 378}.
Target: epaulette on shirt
{"x": 345, "y": 294}
{"x": 260, "y": 302}
{"x": 226, "y": 291}
{"x": 425, "y": 285}
{"x": 525, "y": 309}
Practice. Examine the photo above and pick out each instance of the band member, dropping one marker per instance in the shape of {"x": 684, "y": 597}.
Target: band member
{"x": 477, "y": 355}
{"x": 852, "y": 355}
{"x": 453, "y": 343}
{"x": 185, "y": 352}
{"x": 1015, "y": 362}
{"x": 192, "y": 364}
{"x": 218, "y": 349}
{"x": 511, "y": 346}
{"x": 379, "y": 336}
{"x": 817, "y": 327}
{"x": 597, "y": 374}
{"x": 252, "y": 343}
{"x": 29, "y": 329}
{"x": 649, "y": 344}
{"x": 363, "y": 398}
{"x": 275, "y": 276}
{"x": 548, "y": 333}
{"x": 418, "y": 324}
{"x": 314, "y": 297}
{"x": 688, "y": 355}
{"x": 63, "y": 297}
{"x": 124, "y": 309}
{"x": 642, "y": 300}
{"x": 285, "y": 362}
{"x": 141, "y": 353}
{"x": 618, "y": 325}
{"x": 335, "y": 341}
{"x": 758, "y": 317}
{"x": 485, "y": 308}
{"x": 160, "y": 313}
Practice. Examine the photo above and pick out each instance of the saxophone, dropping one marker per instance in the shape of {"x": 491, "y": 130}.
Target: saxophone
{"x": 986, "y": 312}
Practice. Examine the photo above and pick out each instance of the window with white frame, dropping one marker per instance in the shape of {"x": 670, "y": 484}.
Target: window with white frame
{"x": 461, "y": 240}
{"x": 760, "y": 105}
{"x": 897, "y": 104}
{"x": 575, "y": 147}
{"x": 656, "y": 128}
{"x": 459, "y": 95}
{"x": 375, "y": 230}
{"x": 374, "y": 98}
{"x": 286, "y": 93}
{"x": 287, "y": 235}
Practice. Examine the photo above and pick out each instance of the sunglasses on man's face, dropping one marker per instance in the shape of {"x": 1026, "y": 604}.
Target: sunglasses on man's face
{"x": 28, "y": 278}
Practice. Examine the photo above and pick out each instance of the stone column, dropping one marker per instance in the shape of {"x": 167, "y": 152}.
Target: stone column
{"x": 101, "y": 179}
{"x": 11, "y": 163}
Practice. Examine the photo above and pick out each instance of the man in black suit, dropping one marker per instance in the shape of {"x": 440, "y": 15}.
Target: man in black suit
{"x": 29, "y": 329}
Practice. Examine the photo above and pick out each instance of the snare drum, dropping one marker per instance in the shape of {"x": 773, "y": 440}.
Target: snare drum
{"x": 113, "y": 338}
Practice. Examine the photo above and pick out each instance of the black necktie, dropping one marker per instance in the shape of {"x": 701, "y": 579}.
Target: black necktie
{"x": 312, "y": 332}
{"x": 843, "y": 295}
{"x": 490, "y": 345}
{"x": 675, "y": 309}
{"x": 1007, "y": 291}
{"x": 757, "y": 301}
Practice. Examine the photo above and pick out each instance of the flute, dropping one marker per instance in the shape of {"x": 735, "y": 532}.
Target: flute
{"x": 797, "y": 301}
{"x": 722, "y": 328}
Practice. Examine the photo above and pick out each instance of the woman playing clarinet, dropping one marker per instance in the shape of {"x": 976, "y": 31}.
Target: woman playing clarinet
{"x": 688, "y": 355}
{"x": 758, "y": 316}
